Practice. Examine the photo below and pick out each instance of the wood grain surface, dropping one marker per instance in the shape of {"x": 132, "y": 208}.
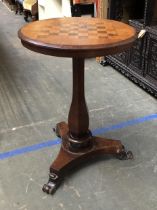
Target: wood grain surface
{"x": 77, "y": 36}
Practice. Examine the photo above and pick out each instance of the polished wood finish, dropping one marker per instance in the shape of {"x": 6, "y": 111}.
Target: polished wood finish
{"x": 78, "y": 38}
{"x": 78, "y": 119}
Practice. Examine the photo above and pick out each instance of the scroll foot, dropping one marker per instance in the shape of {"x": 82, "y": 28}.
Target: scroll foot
{"x": 125, "y": 155}
{"x": 53, "y": 183}
{"x": 61, "y": 129}
{"x": 56, "y": 131}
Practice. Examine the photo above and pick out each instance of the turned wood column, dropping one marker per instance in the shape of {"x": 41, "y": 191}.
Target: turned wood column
{"x": 78, "y": 119}
{"x": 78, "y": 38}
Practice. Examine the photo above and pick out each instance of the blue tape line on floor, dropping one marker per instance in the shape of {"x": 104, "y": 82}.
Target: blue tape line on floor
{"x": 31, "y": 148}
{"x": 56, "y": 141}
{"x": 121, "y": 125}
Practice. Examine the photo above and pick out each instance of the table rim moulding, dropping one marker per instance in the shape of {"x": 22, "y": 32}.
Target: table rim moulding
{"x": 69, "y": 50}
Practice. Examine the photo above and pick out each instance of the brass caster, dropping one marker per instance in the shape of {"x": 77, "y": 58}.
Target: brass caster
{"x": 49, "y": 188}
{"x": 125, "y": 155}
{"x": 53, "y": 183}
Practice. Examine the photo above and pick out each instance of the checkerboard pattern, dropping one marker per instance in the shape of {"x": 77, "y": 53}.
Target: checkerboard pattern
{"x": 78, "y": 31}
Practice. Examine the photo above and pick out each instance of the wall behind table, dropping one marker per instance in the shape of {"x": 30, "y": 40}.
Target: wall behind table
{"x": 52, "y": 8}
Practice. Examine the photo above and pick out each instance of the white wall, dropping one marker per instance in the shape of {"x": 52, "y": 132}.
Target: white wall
{"x": 53, "y": 8}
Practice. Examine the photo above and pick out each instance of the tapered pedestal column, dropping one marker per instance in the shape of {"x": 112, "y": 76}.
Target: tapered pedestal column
{"x": 78, "y": 144}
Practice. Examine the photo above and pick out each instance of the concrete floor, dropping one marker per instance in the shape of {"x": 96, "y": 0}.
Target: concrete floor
{"x": 35, "y": 94}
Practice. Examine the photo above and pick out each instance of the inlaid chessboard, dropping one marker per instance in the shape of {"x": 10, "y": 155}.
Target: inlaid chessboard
{"x": 77, "y": 36}
{"x": 76, "y": 31}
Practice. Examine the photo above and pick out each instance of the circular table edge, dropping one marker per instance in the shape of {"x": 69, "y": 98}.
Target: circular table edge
{"x": 83, "y": 51}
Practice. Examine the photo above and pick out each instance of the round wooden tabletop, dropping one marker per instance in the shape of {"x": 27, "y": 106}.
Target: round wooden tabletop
{"x": 77, "y": 36}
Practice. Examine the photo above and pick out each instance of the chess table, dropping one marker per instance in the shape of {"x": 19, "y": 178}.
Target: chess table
{"x": 78, "y": 38}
